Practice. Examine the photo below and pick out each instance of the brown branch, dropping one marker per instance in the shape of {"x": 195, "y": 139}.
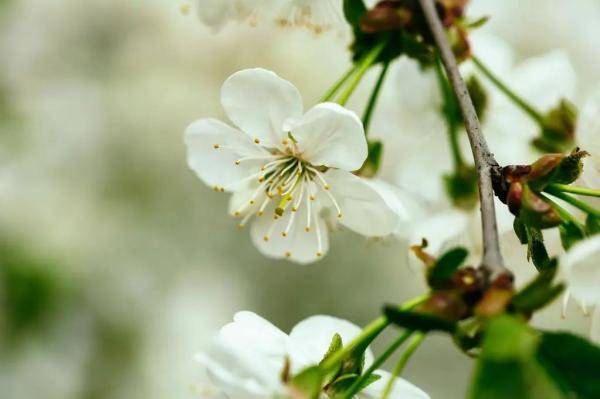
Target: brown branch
{"x": 485, "y": 162}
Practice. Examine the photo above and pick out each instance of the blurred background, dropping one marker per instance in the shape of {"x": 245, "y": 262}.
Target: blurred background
{"x": 116, "y": 263}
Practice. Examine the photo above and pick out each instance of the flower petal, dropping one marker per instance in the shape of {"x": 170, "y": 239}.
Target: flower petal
{"x": 258, "y": 101}
{"x": 402, "y": 389}
{"x": 297, "y": 245}
{"x": 247, "y": 357}
{"x": 310, "y": 339}
{"x": 582, "y": 273}
{"x": 329, "y": 134}
{"x": 364, "y": 210}
{"x": 213, "y": 149}
{"x": 589, "y": 138}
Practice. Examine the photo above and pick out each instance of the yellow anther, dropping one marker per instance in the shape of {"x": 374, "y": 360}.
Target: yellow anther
{"x": 257, "y": 141}
{"x": 284, "y": 234}
{"x": 294, "y": 209}
{"x": 327, "y": 187}
{"x": 260, "y": 213}
{"x": 184, "y": 8}
{"x": 252, "y": 203}
{"x": 339, "y": 215}
{"x": 237, "y": 162}
{"x": 216, "y": 146}
{"x": 222, "y": 189}
{"x": 312, "y": 198}
{"x": 266, "y": 238}
{"x": 319, "y": 254}
{"x": 288, "y": 254}
{"x": 236, "y": 214}
{"x": 307, "y": 229}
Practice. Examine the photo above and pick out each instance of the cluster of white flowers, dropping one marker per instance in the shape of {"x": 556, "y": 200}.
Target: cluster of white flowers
{"x": 315, "y": 15}
{"x": 291, "y": 176}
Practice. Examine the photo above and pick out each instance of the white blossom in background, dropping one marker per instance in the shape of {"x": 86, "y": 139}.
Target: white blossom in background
{"x": 315, "y": 15}
{"x": 289, "y": 171}
{"x": 588, "y": 137}
{"x": 580, "y": 265}
{"x": 248, "y": 356}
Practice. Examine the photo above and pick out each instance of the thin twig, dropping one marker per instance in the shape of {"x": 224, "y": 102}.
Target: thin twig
{"x": 485, "y": 162}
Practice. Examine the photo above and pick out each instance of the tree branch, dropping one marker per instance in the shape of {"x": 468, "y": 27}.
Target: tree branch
{"x": 486, "y": 164}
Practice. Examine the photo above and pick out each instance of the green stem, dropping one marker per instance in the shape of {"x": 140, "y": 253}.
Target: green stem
{"x": 450, "y": 107}
{"x": 576, "y": 202}
{"x": 338, "y": 85}
{"x": 562, "y": 212}
{"x": 364, "y": 65}
{"x": 410, "y": 350}
{"x": 518, "y": 100}
{"x": 590, "y": 192}
{"x": 368, "y": 334}
{"x": 355, "y": 387}
{"x": 374, "y": 96}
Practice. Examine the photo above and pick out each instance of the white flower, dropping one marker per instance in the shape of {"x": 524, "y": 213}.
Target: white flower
{"x": 287, "y": 169}
{"x": 316, "y": 15}
{"x": 580, "y": 265}
{"x": 248, "y": 356}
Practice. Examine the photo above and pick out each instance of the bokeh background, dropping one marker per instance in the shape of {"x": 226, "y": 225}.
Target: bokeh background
{"x": 116, "y": 263}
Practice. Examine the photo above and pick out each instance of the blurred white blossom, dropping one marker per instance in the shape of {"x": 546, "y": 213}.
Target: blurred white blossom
{"x": 248, "y": 356}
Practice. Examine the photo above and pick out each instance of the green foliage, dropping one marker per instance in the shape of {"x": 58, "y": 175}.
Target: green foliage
{"x": 507, "y": 366}
{"x": 30, "y": 291}
{"x": 573, "y": 363}
{"x": 418, "y": 321}
{"x": 518, "y": 362}
{"x": 353, "y": 11}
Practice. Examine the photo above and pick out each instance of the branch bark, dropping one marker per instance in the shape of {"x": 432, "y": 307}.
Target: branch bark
{"x": 486, "y": 164}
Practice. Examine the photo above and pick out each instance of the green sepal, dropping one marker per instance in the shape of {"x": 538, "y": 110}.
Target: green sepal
{"x": 307, "y": 384}
{"x": 559, "y": 125}
{"x": 353, "y": 11}
{"x": 342, "y": 384}
{"x": 536, "y": 249}
{"x": 520, "y": 231}
{"x": 570, "y": 234}
{"x": 592, "y": 224}
{"x": 373, "y": 162}
{"x": 418, "y": 321}
{"x": 335, "y": 346}
{"x": 540, "y": 292}
{"x": 445, "y": 267}
{"x": 536, "y": 212}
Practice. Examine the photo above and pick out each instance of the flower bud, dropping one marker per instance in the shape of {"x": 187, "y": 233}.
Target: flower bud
{"x": 559, "y": 125}
{"x": 536, "y": 212}
{"x": 447, "y": 305}
{"x": 385, "y": 16}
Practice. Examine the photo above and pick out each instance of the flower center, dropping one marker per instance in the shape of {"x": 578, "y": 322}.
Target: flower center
{"x": 289, "y": 184}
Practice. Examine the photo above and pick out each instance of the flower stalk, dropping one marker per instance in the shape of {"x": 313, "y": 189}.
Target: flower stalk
{"x": 576, "y": 202}
{"x": 492, "y": 261}
{"x": 514, "y": 97}
{"x": 402, "y": 362}
{"x": 374, "y": 97}
{"x": 363, "y": 67}
{"x": 328, "y": 96}
{"x": 589, "y": 192}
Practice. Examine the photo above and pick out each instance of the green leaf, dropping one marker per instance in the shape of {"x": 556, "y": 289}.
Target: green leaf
{"x": 353, "y": 11}
{"x": 447, "y": 265}
{"x": 570, "y": 234}
{"x": 307, "y": 384}
{"x": 592, "y": 224}
{"x": 573, "y": 363}
{"x": 536, "y": 249}
{"x": 418, "y": 321}
{"x": 507, "y": 367}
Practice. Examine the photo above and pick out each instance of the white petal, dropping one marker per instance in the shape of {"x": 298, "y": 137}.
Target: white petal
{"x": 536, "y": 79}
{"x": 216, "y": 166}
{"x": 364, "y": 210}
{"x": 299, "y": 245}
{"x": 310, "y": 339}
{"x": 400, "y": 202}
{"x": 402, "y": 389}
{"x": 316, "y": 15}
{"x": 247, "y": 357}
{"x": 329, "y": 134}
{"x": 589, "y": 138}
{"x": 582, "y": 273}
{"x": 258, "y": 101}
